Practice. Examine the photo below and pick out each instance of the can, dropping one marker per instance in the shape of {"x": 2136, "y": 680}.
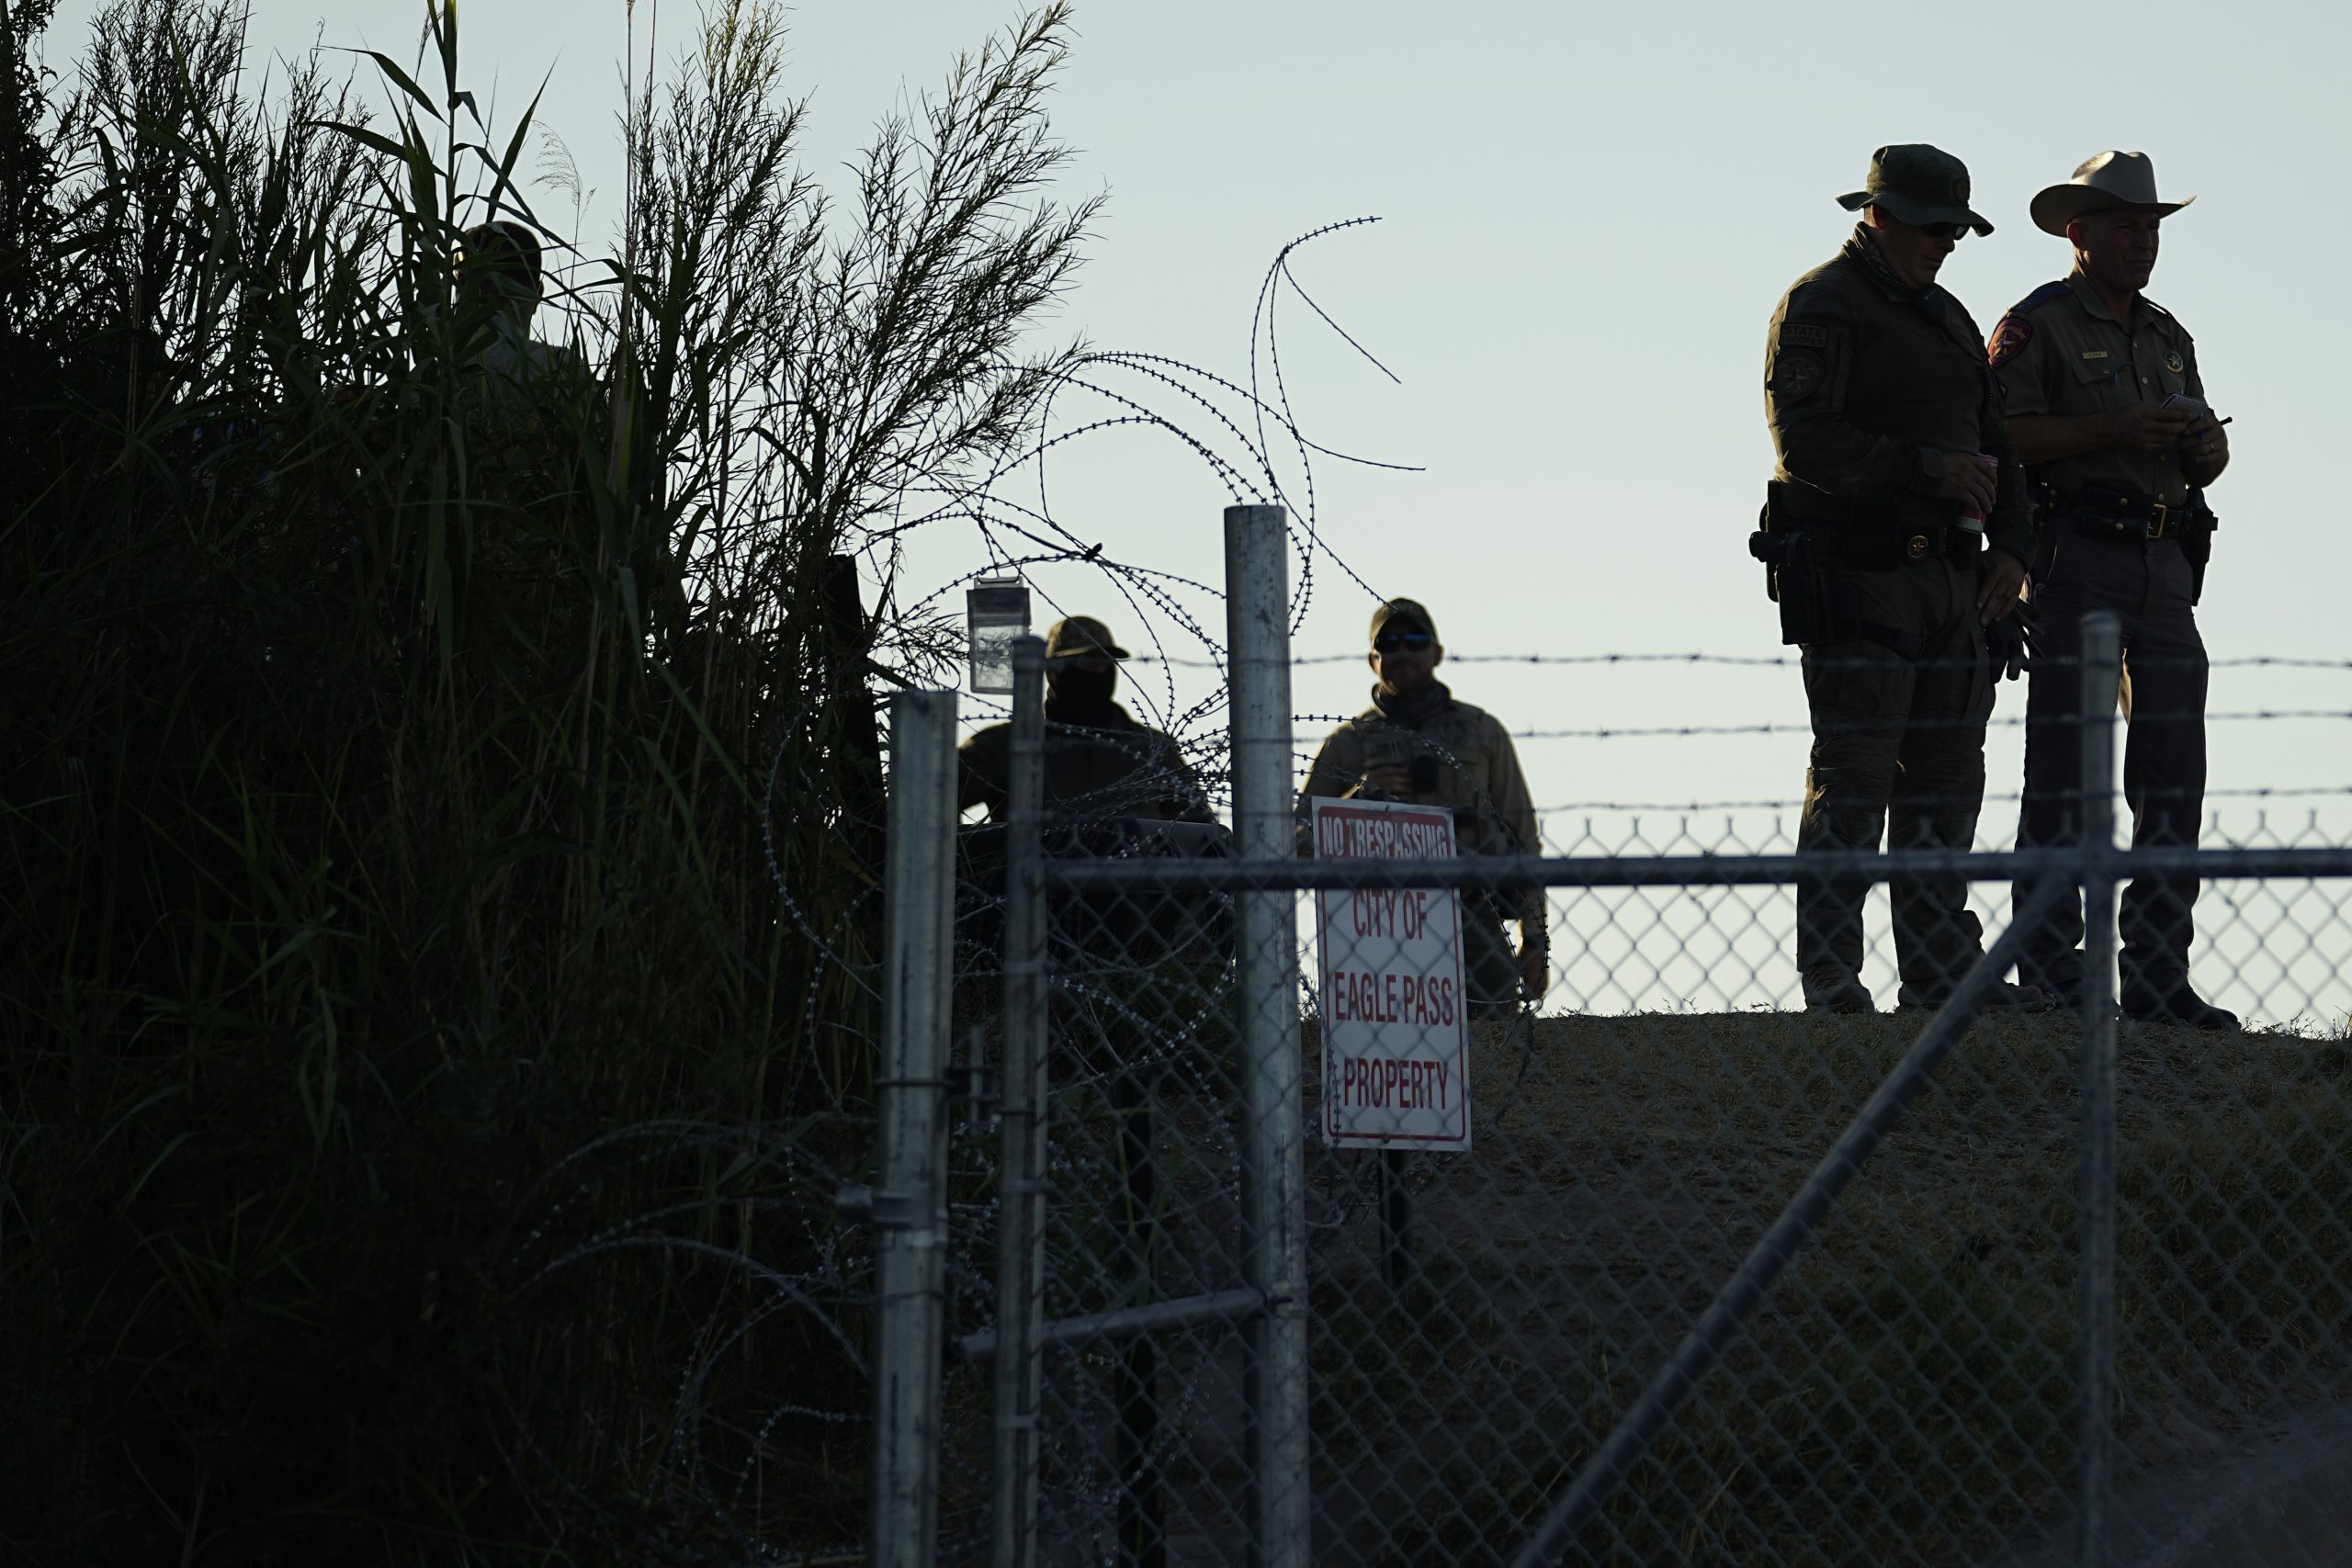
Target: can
{"x": 1972, "y": 519}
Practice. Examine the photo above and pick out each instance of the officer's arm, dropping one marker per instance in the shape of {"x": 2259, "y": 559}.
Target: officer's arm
{"x": 1191, "y": 802}
{"x": 980, "y": 764}
{"x": 2009, "y": 526}
{"x": 1336, "y": 771}
{"x": 2046, "y": 437}
{"x": 2201, "y": 472}
{"x": 1806, "y": 361}
{"x": 1515, "y": 804}
{"x": 2026, "y": 364}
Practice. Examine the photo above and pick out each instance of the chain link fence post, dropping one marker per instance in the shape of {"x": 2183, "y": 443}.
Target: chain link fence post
{"x": 1021, "y": 1259}
{"x": 1273, "y": 1132}
{"x": 2102, "y": 673}
{"x": 910, "y": 1204}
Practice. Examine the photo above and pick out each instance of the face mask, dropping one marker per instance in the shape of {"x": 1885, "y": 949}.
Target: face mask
{"x": 1086, "y": 685}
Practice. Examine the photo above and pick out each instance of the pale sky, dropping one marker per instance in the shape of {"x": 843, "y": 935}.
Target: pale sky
{"x": 1588, "y": 213}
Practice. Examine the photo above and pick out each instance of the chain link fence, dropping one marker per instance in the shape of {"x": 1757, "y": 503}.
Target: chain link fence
{"x": 1257, "y": 1247}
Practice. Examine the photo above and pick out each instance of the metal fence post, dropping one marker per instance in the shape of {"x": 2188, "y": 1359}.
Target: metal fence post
{"x": 2102, "y": 672}
{"x": 1272, "y": 1133}
{"x": 1020, "y": 1242}
{"x": 910, "y": 1201}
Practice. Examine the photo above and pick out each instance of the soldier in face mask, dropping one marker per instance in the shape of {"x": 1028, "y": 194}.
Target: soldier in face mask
{"x": 1099, "y": 761}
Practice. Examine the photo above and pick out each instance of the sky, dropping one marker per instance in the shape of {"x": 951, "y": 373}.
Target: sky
{"x": 1588, "y": 214}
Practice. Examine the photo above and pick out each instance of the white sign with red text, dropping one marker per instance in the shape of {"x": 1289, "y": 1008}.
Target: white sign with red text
{"x": 1396, "y": 1029}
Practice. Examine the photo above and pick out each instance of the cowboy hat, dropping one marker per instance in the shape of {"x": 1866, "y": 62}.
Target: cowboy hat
{"x": 2105, "y": 181}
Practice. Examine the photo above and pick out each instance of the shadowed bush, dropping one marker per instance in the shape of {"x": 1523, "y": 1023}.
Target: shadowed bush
{"x": 443, "y": 791}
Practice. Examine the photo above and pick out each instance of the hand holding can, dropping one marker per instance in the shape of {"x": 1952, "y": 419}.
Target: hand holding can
{"x": 1970, "y": 517}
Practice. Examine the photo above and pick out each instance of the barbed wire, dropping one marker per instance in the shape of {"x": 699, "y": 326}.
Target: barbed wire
{"x": 1988, "y": 797}
{"x": 1911, "y": 724}
{"x": 1268, "y": 299}
{"x": 1780, "y": 661}
{"x": 1145, "y": 1063}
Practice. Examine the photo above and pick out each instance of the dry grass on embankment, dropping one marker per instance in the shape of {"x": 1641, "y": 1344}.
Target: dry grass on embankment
{"x": 1908, "y": 1390}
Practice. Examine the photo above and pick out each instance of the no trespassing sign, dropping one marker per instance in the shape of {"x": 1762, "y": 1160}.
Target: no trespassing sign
{"x": 1396, "y": 1021}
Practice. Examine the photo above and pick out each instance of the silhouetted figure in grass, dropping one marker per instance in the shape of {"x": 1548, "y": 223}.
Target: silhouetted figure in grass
{"x": 502, "y": 265}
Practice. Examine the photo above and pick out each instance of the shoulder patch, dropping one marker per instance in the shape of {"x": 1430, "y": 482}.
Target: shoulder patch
{"x": 1796, "y": 374}
{"x": 2042, "y": 296}
{"x": 1804, "y": 334}
{"x": 2010, "y": 339}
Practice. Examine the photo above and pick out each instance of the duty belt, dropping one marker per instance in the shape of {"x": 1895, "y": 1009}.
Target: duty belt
{"x": 1863, "y": 531}
{"x": 1891, "y": 544}
{"x": 2120, "y": 513}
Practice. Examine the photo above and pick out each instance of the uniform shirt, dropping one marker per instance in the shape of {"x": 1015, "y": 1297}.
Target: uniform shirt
{"x": 2061, "y": 350}
{"x": 1479, "y": 778}
{"x": 1099, "y": 762}
{"x": 1868, "y": 385}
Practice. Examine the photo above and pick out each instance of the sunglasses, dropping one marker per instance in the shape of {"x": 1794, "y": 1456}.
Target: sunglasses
{"x": 1943, "y": 230}
{"x": 1411, "y": 642}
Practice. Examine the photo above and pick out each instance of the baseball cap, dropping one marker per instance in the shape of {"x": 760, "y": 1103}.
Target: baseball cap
{"x": 1077, "y": 635}
{"x": 1409, "y": 610}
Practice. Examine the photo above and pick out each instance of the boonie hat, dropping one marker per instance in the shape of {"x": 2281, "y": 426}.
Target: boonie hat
{"x": 1402, "y": 609}
{"x": 1920, "y": 185}
{"x": 1079, "y": 634}
{"x": 2104, "y": 182}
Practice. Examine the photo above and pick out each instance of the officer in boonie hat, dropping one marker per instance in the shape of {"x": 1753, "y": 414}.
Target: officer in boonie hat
{"x": 1895, "y": 533}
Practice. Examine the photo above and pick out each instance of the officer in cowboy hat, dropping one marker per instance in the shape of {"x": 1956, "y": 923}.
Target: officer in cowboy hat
{"x": 1896, "y": 535}
{"x": 1099, "y": 761}
{"x": 2109, "y": 412}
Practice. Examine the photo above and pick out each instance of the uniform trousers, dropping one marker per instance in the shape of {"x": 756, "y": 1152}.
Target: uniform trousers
{"x": 2148, "y": 586}
{"x": 1898, "y": 749}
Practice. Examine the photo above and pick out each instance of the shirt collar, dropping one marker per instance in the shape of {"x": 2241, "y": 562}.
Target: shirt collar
{"x": 2096, "y": 303}
{"x": 1867, "y": 256}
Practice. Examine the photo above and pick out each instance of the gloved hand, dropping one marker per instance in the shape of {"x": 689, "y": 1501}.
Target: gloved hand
{"x": 2012, "y": 643}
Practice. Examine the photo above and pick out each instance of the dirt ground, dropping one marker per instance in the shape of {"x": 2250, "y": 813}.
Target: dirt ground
{"x": 1906, "y": 1392}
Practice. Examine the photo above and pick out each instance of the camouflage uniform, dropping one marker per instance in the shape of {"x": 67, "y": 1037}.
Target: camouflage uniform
{"x": 1476, "y": 775}
{"x": 1099, "y": 761}
{"x": 1869, "y": 385}
{"x": 1135, "y": 960}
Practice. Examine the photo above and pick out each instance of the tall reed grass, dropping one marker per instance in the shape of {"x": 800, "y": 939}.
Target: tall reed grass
{"x": 443, "y": 808}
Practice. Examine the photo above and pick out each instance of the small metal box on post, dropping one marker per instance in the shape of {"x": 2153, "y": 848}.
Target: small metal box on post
{"x": 995, "y": 617}
{"x": 909, "y": 1205}
{"x": 1257, "y": 579}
